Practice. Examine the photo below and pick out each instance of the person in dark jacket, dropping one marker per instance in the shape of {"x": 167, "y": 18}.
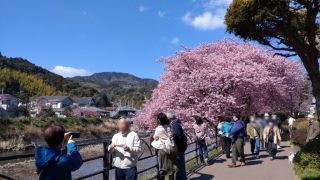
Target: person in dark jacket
{"x": 237, "y": 135}
{"x": 51, "y": 163}
{"x": 178, "y": 134}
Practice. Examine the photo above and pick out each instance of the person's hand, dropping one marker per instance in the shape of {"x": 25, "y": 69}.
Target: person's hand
{"x": 112, "y": 145}
{"x": 126, "y": 148}
{"x": 67, "y": 135}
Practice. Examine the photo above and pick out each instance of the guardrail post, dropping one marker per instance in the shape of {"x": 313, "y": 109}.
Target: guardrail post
{"x": 106, "y": 161}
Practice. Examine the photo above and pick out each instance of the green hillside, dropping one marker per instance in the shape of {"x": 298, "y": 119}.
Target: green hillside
{"x": 23, "y": 79}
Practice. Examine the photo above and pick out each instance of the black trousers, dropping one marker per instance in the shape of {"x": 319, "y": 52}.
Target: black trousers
{"x": 272, "y": 148}
{"x": 227, "y": 146}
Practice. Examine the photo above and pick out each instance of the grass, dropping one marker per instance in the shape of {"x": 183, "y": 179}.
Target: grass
{"x": 193, "y": 163}
{"x": 189, "y": 165}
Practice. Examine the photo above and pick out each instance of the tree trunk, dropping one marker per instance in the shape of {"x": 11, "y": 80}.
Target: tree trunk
{"x": 316, "y": 93}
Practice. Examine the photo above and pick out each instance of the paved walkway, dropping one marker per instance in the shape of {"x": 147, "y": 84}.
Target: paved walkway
{"x": 256, "y": 169}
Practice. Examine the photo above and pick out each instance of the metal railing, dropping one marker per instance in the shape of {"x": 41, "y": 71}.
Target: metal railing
{"x": 106, "y": 157}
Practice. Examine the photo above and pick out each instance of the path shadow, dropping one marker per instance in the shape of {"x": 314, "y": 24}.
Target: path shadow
{"x": 203, "y": 176}
{"x": 220, "y": 160}
{"x": 250, "y": 163}
{"x": 264, "y": 156}
{"x": 281, "y": 157}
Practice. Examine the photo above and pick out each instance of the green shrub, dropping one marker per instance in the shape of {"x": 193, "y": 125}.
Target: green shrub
{"x": 307, "y": 161}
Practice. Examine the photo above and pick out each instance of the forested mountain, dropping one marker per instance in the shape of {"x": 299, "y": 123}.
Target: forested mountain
{"x": 121, "y": 86}
{"x": 23, "y": 79}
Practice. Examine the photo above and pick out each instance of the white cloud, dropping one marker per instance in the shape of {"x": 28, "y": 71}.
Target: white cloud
{"x": 142, "y": 9}
{"x": 211, "y": 4}
{"x": 212, "y": 16}
{"x": 70, "y": 71}
{"x": 175, "y": 40}
{"x": 162, "y": 14}
{"x": 204, "y": 21}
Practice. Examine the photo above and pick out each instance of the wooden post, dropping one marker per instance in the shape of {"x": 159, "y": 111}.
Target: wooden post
{"x": 106, "y": 161}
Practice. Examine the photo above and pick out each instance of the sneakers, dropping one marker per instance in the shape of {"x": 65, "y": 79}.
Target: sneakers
{"x": 206, "y": 162}
{"x": 257, "y": 156}
{"x": 243, "y": 164}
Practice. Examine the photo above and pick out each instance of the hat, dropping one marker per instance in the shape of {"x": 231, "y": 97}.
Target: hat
{"x": 266, "y": 115}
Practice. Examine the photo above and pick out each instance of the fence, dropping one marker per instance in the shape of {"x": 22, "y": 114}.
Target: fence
{"x": 147, "y": 153}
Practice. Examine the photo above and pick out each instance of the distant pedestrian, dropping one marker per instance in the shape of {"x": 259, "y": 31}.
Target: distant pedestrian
{"x": 181, "y": 141}
{"x": 201, "y": 130}
{"x": 237, "y": 134}
{"x": 51, "y": 163}
{"x": 291, "y": 120}
{"x": 254, "y": 133}
{"x": 125, "y": 149}
{"x": 225, "y": 131}
{"x": 271, "y": 135}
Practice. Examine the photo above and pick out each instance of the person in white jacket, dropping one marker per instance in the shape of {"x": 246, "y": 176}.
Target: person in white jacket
{"x": 163, "y": 138}
{"x": 125, "y": 148}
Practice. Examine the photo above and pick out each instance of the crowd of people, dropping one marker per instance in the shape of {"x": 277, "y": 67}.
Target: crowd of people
{"x": 170, "y": 141}
{"x": 262, "y": 132}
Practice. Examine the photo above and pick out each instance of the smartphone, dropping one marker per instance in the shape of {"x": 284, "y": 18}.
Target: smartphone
{"x": 75, "y": 135}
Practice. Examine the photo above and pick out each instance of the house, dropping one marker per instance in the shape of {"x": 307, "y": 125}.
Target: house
{"x": 90, "y": 112}
{"x": 56, "y": 103}
{"x": 84, "y": 101}
{"x": 8, "y": 105}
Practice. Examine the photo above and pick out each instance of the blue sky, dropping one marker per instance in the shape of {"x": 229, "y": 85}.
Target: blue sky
{"x": 80, "y": 37}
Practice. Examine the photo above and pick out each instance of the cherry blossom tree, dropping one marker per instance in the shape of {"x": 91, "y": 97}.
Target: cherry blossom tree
{"x": 223, "y": 78}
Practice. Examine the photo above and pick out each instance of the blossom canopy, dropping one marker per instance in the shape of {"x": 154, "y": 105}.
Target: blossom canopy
{"x": 223, "y": 78}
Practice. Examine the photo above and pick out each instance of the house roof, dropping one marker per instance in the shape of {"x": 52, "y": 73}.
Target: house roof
{"x": 5, "y": 97}
{"x": 91, "y": 108}
{"x": 84, "y": 100}
{"x": 55, "y": 98}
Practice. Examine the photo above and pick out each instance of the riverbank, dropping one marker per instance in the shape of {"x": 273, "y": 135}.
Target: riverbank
{"x": 20, "y": 134}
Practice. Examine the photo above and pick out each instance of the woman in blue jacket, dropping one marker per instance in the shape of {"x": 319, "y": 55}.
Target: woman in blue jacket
{"x": 225, "y": 130}
{"x": 51, "y": 163}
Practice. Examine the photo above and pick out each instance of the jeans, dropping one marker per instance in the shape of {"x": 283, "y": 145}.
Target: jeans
{"x": 203, "y": 150}
{"x": 126, "y": 174}
{"x": 238, "y": 150}
{"x": 255, "y": 146}
{"x": 227, "y": 146}
{"x": 181, "y": 164}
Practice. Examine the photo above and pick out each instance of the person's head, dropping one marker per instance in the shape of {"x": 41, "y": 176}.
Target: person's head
{"x": 171, "y": 115}
{"x": 227, "y": 119}
{"x": 162, "y": 119}
{"x": 220, "y": 118}
{"x": 198, "y": 120}
{"x": 252, "y": 119}
{"x": 236, "y": 117}
{"x": 271, "y": 123}
{"x": 266, "y": 116}
{"x": 124, "y": 125}
{"x": 54, "y": 135}
{"x": 274, "y": 117}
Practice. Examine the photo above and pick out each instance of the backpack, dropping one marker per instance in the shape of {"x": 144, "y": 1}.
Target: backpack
{"x": 184, "y": 144}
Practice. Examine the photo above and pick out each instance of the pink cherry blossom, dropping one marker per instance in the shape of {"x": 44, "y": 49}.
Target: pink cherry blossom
{"x": 223, "y": 78}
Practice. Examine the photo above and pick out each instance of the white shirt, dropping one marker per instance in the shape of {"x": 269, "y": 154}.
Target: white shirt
{"x": 291, "y": 120}
{"x": 125, "y": 159}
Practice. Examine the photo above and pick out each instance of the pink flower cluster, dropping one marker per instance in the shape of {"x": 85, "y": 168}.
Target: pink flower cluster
{"x": 223, "y": 78}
